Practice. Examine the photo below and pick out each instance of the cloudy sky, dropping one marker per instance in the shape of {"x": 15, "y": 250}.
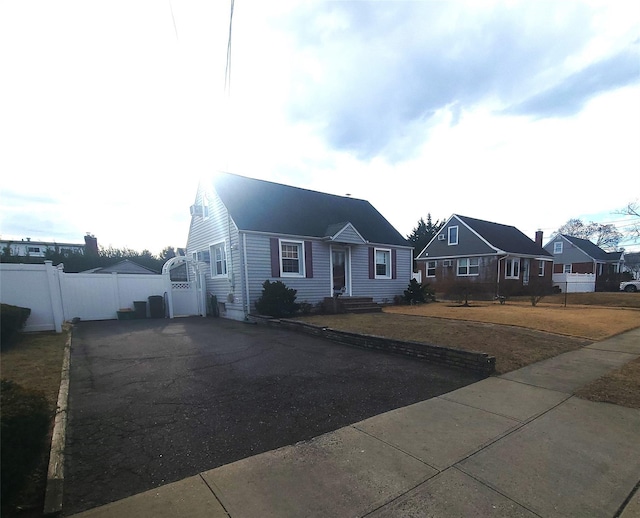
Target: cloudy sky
{"x": 525, "y": 113}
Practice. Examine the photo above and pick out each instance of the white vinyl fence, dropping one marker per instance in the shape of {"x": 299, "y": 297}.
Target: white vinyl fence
{"x": 55, "y": 296}
{"x": 575, "y": 282}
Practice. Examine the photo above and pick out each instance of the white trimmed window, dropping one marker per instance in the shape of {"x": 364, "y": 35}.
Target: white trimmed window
{"x": 541, "y": 268}
{"x": 431, "y": 268}
{"x": 567, "y": 268}
{"x": 452, "y": 233}
{"x": 557, "y": 247}
{"x": 512, "y": 269}
{"x": 292, "y": 258}
{"x": 468, "y": 266}
{"x": 218, "y": 260}
{"x": 383, "y": 263}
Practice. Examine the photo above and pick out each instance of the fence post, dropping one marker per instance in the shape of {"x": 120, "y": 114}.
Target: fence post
{"x": 55, "y": 295}
{"x": 167, "y": 287}
{"x": 116, "y": 291}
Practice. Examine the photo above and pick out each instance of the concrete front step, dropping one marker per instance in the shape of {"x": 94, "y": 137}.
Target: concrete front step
{"x": 364, "y": 309}
{"x": 353, "y": 305}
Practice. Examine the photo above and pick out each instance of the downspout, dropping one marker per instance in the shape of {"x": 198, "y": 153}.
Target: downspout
{"x": 232, "y": 277}
{"x": 246, "y": 275}
{"x": 498, "y": 276}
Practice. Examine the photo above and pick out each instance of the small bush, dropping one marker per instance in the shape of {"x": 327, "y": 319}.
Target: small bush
{"x": 24, "y": 426}
{"x": 416, "y": 293}
{"x": 305, "y": 308}
{"x": 12, "y": 320}
{"x": 277, "y": 300}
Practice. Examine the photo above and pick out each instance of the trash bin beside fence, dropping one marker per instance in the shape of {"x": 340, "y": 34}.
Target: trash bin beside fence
{"x": 156, "y": 306}
{"x": 140, "y": 308}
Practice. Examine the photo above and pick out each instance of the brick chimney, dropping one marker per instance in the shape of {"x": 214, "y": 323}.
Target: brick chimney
{"x": 539, "y": 238}
{"x": 90, "y": 245}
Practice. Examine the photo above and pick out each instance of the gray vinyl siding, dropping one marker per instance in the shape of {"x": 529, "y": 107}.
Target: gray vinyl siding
{"x": 382, "y": 290}
{"x": 203, "y": 233}
{"x": 469, "y": 244}
{"x": 349, "y": 235}
{"x": 314, "y": 290}
{"x": 570, "y": 253}
{"x": 311, "y": 290}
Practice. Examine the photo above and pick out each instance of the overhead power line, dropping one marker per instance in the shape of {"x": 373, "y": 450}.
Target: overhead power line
{"x": 227, "y": 71}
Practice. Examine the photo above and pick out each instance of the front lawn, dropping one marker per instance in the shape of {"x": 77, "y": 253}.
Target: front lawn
{"x": 34, "y": 361}
{"x": 516, "y": 333}
{"x": 513, "y": 347}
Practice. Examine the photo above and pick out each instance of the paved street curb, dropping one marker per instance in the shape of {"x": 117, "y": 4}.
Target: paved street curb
{"x": 55, "y": 474}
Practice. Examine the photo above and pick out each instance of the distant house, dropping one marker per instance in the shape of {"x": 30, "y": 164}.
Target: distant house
{"x": 485, "y": 258}
{"x": 30, "y": 248}
{"x": 589, "y": 267}
{"x": 632, "y": 264}
{"x": 125, "y": 266}
{"x": 246, "y": 231}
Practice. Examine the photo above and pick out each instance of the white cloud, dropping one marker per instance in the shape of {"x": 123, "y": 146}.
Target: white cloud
{"x": 110, "y": 114}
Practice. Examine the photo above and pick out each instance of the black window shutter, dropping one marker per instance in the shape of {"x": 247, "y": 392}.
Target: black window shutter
{"x": 394, "y": 271}
{"x": 308, "y": 260}
{"x": 275, "y": 257}
{"x": 372, "y": 264}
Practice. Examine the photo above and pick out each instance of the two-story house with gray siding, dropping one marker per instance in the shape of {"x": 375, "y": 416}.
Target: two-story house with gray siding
{"x": 244, "y": 231}
{"x": 484, "y": 258}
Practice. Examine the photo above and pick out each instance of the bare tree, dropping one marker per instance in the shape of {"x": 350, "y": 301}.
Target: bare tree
{"x": 605, "y": 236}
{"x": 632, "y": 209}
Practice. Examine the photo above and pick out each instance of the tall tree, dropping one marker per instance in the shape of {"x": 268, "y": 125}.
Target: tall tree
{"x": 423, "y": 233}
{"x": 605, "y": 236}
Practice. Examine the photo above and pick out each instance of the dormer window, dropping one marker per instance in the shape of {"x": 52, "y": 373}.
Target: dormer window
{"x": 453, "y": 235}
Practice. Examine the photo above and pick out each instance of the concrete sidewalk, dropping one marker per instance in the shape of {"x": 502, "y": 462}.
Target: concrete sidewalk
{"x": 513, "y": 445}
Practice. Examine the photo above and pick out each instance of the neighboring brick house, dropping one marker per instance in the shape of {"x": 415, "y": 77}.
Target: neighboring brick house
{"x": 484, "y": 258}
{"x": 573, "y": 255}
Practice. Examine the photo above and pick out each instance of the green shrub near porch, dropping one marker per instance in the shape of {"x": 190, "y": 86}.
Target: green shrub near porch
{"x": 277, "y": 300}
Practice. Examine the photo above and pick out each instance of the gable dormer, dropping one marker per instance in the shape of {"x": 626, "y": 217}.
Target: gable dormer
{"x": 344, "y": 233}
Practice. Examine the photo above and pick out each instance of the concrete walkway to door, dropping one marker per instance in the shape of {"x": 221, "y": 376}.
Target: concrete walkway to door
{"x": 514, "y": 445}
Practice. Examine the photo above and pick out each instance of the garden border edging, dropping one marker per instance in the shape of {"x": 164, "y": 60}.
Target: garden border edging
{"x": 468, "y": 360}
{"x": 55, "y": 473}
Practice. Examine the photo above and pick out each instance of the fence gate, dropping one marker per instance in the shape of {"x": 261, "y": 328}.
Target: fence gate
{"x": 186, "y": 297}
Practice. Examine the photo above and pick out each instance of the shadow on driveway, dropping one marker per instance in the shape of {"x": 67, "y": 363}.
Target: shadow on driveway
{"x": 155, "y": 401}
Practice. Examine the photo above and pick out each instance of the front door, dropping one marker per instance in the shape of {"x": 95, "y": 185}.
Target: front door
{"x": 339, "y": 270}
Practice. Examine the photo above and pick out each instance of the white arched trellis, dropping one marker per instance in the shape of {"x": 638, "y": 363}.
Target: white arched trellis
{"x": 187, "y": 297}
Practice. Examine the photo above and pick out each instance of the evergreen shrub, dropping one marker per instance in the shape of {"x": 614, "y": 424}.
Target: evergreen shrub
{"x": 277, "y": 300}
{"x": 12, "y": 320}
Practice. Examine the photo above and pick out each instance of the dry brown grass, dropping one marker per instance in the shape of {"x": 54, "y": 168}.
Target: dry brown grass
{"x": 513, "y": 347}
{"x": 588, "y": 321}
{"x": 619, "y": 299}
{"x": 35, "y": 362}
{"x": 516, "y": 333}
{"x": 620, "y": 387}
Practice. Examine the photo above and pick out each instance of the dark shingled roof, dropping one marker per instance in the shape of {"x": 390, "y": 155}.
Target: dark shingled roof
{"x": 504, "y": 237}
{"x": 264, "y": 206}
{"x": 593, "y": 250}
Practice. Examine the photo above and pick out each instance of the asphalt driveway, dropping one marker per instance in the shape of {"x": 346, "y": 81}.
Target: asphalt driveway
{"x": 154, "y": 401}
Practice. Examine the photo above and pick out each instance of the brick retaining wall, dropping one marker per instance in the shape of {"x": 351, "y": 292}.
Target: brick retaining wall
{"x": 468, "y": 360}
